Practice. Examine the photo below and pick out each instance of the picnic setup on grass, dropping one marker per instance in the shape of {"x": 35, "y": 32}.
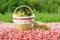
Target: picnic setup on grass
{"x": 25, "y": 28}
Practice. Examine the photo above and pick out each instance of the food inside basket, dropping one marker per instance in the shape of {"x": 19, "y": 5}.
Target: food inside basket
{"x": 24, "y": 12}
{"x": 21, "y": 14}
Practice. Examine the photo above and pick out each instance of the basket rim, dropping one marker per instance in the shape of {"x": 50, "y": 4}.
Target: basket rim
{"x": 15, "y": 16}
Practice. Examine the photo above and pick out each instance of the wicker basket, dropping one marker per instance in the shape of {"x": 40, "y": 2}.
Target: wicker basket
{"x": 23, "y": 23}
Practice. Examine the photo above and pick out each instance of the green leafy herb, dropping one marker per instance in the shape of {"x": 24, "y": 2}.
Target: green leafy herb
{"x": 46, "y": 27}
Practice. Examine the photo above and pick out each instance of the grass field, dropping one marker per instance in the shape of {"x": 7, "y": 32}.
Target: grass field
{"x": 44, "y": 17}
{"x": 47, "y": 17}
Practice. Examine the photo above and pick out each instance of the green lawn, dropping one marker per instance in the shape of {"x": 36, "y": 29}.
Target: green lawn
{"x": 47, "y": 17}
{"x": 6, "y": 17}
{"x": 44, "y": 17}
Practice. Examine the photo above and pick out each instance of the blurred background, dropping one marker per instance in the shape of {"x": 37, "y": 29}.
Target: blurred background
{"x": 44, "y": 10}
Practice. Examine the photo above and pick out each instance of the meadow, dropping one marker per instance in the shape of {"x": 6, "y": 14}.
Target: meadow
{"x": 43, "y": 17}
{"x": 44, "y": 10}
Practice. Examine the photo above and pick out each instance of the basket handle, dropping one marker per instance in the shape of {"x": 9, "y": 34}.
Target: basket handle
{"x": 22, "y": 6}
